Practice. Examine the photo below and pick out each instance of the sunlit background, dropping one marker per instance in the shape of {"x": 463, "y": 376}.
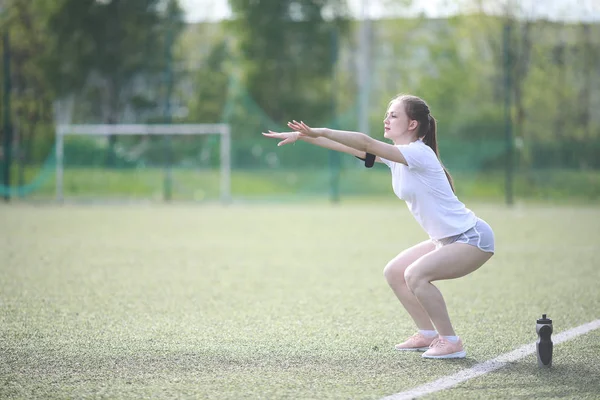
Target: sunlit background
{"x": 514, "y": 86}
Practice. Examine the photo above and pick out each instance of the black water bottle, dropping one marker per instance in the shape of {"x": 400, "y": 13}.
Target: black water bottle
{"x": 544, "y": 343}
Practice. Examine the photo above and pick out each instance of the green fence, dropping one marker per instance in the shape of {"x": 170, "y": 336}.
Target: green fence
{"x": 554, "y": 109}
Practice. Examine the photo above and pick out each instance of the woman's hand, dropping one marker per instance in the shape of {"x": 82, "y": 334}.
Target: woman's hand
{"x": 300, "y": 130}
{"x": 305, "y": 130}
{"x": 288, "y": 137}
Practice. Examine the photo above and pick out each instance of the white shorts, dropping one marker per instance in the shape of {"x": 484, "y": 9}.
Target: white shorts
{"x": 480, "y": 236}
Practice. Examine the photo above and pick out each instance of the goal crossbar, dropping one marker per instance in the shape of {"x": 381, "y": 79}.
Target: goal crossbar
{"x": 143, "y": 129}
{"x": 223, "y": 130}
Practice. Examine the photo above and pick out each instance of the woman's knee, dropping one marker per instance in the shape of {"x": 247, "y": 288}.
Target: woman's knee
{"x": 394, "y": 272}
{"x": 413, "y": 278}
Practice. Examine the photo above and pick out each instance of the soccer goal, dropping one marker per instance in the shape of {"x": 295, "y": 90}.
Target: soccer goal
{"x": 143, "y": 161}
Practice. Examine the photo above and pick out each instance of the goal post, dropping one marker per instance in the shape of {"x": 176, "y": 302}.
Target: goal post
{"x": 222, "y": 130}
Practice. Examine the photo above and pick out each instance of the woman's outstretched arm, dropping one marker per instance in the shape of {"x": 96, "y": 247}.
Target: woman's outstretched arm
{"x": 291, "y": 137}
{"x": 320, "y": 140}
{"x": 356, "y": 140}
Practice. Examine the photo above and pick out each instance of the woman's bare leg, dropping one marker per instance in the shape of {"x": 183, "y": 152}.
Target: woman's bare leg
{"x": 394, "y": 274}
{"x": 449, "y": 262}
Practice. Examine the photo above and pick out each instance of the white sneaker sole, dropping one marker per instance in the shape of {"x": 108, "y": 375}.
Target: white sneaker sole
{"x": 460, "y": 354}
{"x": 413, "y": 349}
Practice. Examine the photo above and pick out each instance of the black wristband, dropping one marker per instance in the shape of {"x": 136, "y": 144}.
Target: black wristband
{"x": 369, "y": 159}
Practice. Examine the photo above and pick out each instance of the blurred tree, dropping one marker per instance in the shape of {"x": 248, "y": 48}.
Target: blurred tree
{"x": 551, "y": 64}
{"x": 114, "y": 53}
{"x": 586, "y": 55}
{"x": 287, "y": 55}
{"x": 31, "y": 95}
{"x": 208, "y": 46}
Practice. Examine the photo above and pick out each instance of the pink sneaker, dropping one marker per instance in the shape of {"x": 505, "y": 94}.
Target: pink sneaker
{"x": 416, "y": 342}
{"x": 442, "y": 348}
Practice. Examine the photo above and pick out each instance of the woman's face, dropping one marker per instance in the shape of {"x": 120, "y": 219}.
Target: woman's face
{"x": 398, "y": 127}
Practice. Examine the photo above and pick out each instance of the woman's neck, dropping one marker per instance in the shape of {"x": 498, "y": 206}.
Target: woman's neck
{"x": 405, "y": 140}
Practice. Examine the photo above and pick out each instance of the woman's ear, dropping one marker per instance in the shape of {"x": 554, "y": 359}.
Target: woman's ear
{"x": 413, "y": 124}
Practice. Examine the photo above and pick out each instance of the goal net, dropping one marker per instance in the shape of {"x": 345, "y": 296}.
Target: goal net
{"x": 186, "y": 162}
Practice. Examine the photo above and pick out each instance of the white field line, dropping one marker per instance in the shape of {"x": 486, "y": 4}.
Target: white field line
{"x": 490, "y": 365}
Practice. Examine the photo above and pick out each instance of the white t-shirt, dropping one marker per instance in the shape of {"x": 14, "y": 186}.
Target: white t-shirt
{"x": 424, "y": 187}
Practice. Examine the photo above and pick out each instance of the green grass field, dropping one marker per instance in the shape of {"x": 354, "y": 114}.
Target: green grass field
{"x": 193, "y": 184}
{"x": 278, "y": 301}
